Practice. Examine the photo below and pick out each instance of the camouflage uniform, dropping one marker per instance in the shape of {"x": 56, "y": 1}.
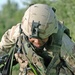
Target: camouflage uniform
{"x": 60, "y": 46}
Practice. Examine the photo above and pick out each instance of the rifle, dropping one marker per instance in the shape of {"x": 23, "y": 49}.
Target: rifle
{"x": 7, "y": 62}
{"x": 22, "y": 50}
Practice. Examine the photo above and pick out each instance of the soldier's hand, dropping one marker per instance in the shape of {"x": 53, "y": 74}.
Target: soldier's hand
{"x": 23, "y": 62}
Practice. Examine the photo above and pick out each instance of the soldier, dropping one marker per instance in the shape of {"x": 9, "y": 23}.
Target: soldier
{"x": 46, "y": 44}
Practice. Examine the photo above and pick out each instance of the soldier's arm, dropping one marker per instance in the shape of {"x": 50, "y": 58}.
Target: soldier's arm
{"x": 9, "y": 39}
{"x": 68, "y": 50}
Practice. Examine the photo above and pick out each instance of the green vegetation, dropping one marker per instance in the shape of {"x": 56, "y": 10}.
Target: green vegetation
{"x": 15, "y": 70}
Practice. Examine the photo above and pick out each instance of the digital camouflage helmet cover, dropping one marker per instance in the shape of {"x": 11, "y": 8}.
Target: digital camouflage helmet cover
{"x": 39, "y": 21}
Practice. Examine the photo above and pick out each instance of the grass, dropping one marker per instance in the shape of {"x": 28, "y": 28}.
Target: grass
{"x": 15, "y": 70}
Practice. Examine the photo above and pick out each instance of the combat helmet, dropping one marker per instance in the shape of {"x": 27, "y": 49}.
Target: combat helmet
{"x": 39, "y": 21}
